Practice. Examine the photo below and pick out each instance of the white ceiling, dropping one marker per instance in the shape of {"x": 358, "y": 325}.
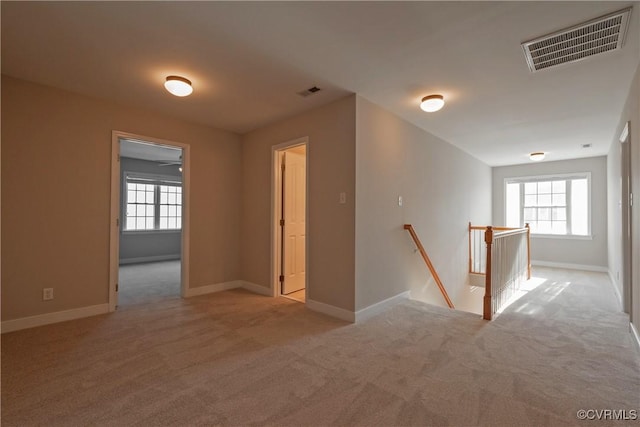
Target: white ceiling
{"x": 248, "y": 60}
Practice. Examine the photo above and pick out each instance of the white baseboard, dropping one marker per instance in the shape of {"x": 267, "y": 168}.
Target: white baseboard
{"x": 614, "y": 284}
{"x": 570, "y": 266}
{"x": 635, "y": 335}
{"x": 257, "y": 289}
{"x": 330, "y": 310}
{"x": 216, "y": 287}
{"x": 155, "y": 258}
{"x": 55, "y": 317}
{"x": 381, "y": 306}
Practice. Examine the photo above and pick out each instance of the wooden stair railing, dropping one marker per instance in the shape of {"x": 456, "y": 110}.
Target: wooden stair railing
{"x": 427, "y": 261}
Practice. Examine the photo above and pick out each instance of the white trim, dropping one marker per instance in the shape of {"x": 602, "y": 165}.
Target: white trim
{"x": 155, "y": 258}
{"x": 381, "y": 306}
{"x": 276, "y": 177}
{"x": 256, "y": 289}
{"x": 570, "y": 266}
{"x": 635, "y": 335}
{"x": 330, "y": 310}
{"x": 624, "y": 134}
{"x": 114, "y": 236}
{"x": 216, "y": 287}
{"x": 561, "y": 236}
{"x": 55, "y": 317}
{"x": 614, "y": 283}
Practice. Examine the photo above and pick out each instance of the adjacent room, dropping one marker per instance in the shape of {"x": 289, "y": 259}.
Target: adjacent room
{"x": 320, "y": 213}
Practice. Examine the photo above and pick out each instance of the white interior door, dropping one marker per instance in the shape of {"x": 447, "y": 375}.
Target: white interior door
{"x": 294, "y": 195}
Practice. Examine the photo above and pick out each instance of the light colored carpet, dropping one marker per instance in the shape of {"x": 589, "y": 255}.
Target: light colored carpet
{"x": 235, "y": 358}
{"x": 148, "y": 283}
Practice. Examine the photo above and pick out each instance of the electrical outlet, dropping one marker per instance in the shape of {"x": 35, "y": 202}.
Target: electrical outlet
{"x": 343, "y": 198}
{"x": 47, "y": 294}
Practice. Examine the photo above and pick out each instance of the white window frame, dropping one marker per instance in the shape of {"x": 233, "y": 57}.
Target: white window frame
{"x": 157, "y": 180}
{"x": 554, "y": 177}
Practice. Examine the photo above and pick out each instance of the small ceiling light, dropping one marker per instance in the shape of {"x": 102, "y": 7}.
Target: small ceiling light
{"x": 432, "y": 103}
{"x": 178, "y": 86}
{"x": 536, "y": 157}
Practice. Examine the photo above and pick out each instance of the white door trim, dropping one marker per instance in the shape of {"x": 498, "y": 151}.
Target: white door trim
{"x": 114, "y": 227}
{"x": 276, "y": 178}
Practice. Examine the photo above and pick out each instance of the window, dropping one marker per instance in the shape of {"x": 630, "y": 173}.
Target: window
{"x": 557, "y": 205}
{"x": 152, "y": 203}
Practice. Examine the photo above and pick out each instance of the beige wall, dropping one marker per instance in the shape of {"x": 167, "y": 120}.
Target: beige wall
{"x": 331, "y": 227}
{"x": 56, "y": 167}
{"x": 443, "y": 189}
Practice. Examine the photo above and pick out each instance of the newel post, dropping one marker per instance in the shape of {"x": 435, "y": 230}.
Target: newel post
{"x": 487, "y": 311}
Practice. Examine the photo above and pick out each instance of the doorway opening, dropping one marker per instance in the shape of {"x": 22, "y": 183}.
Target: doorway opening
{"x": 626, "y": 211}
{"x": 290, "y": 196}
{"x": 149, "y": 255}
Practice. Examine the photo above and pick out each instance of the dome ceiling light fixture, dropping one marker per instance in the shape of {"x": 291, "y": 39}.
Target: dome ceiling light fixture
{"x": 178, "y": 86}
{"x": 432, "y": 103}
{"x": 537, "y": 156}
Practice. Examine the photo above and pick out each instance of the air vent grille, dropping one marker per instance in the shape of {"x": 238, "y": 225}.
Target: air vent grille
{"x": 310, "y": 91}
{"x": 599, "y": 35}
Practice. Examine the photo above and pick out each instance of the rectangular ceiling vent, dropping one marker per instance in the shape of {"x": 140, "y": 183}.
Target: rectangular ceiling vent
{"x": 310, "y": 91}
{"x": 581, "y": 41}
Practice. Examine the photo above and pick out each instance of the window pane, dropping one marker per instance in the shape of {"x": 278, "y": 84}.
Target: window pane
{"x": 140, "y": 210}
{"x": 163, "y": 210}
{"x": 140, "y": 197}
{"x": 172, "y": 223}
{"x": 530, "y": 200}
{"x": 131, "y": 223}
{"x": 131, "y": 196}
{"x": 140, "y": 223}
{"x": 163, "y": 198}
{"x": 544, "y": 227}
{"x": 179, "y": 190}
{"x": 163, "y": 188}
{"x": 559, "y": 186}
{"x": 513, "y": 205}
{"x": 544, "y": 200}
{"x": 172, "y": 198}
{"x": 179, "y": 213}
{"x": 172, "y": 210}
{"x": 558, "y": 199}
{"x": 544, "y": 214}
{"x": 131, "y": 187}
{"x": 530, "y": 188}
{"x": 178, "y": 223}
{"x": 149, "y": 196}
{"x": 163, "y": 223}
{"x": 544, "y": 187}
{"x": 579, "y": 207}
{"x": 559, "y": 227}
{"x": 559, "y": 214}
{"x": 131, "y": 210}
{"x": 529, "y": 214}
{"x": 150, "y": 211}
{"x": 150, "y": 224}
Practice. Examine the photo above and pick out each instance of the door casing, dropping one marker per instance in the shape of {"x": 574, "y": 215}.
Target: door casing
{"x": 115, "y": 221}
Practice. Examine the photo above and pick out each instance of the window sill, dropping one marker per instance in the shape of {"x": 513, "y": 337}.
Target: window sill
{"x": 561, "y": 236}
{"x": 134, "y": 232}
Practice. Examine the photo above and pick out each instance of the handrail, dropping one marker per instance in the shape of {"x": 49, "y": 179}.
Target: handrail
{"x": 427, "y": 261}
{"x": 477, "y": 246}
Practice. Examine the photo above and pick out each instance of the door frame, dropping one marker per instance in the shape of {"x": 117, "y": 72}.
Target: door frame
{"x": 276, "y": 240}
{"x": 115, "y": 211}
{"x": 626, "y": 218}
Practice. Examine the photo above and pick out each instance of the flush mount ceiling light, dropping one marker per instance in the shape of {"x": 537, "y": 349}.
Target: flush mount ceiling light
{"x": 536, "y": 157}
{"x": 432, "y": 103}
{"x": 178, "y": 86}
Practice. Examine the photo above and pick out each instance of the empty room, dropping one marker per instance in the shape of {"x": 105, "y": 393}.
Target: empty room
{"x": 320, "y": 213}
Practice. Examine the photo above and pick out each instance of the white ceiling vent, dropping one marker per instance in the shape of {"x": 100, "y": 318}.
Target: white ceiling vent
{"x": 599, "y": 35}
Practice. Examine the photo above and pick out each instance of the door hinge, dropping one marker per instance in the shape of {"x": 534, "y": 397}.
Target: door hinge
{"x": 118, "y": 157}
{"x": 116, "y": 287}
{"x": 281, "y": 278}
{"x": 282, "y": 223}
{"x": 630, "y": 199}
{"x": 117, "y": 222}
